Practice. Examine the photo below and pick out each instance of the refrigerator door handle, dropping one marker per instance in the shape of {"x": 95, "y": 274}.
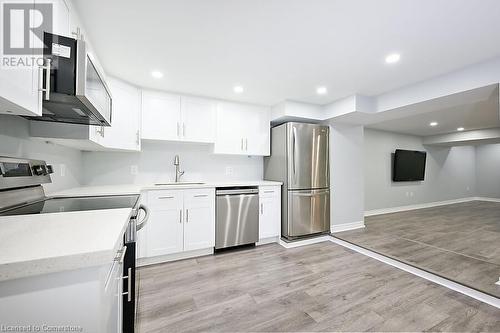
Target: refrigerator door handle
{"x": 294, "y": 133}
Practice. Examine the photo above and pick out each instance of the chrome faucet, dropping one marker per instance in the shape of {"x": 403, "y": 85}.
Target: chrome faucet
{"x": 178, "y": 174}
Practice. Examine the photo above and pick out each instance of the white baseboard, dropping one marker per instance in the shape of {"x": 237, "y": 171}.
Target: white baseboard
{"x": 423, "y": 274}
{"x": 303, "y": 242}
{"x": 487, "y": 199}
{"x": 173, "y": 257}
{"x": 347, "y": 226}
{"x": 268, "y": 240}
{"x": 418, "y": 206}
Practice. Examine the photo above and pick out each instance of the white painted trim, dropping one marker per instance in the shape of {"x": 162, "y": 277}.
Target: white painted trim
{"x": 493, "y": 301}
{"x": 347, "y": 226}
{"x": 487, "y": 199}
{"x": 418, "y": 206}
{"x": 268, "y": 240}
{"x": 173, "y": 257}
{"x": 303, "y": 242}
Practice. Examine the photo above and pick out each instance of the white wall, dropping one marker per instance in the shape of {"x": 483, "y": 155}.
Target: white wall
{"x": 450, "y": 172}
{"x": 347, "y": 176}
{"x": 15, "y": 142}
{"x": 155, "y": 165}
{"x": 488, "y": 170}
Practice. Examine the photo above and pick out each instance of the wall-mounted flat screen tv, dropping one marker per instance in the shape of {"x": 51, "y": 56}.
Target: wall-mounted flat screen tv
{"x": 408, "y": 165}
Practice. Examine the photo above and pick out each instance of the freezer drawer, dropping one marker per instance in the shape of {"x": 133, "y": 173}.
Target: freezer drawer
{"x": 237, "y": 218}
{"x": 308, "y": 212}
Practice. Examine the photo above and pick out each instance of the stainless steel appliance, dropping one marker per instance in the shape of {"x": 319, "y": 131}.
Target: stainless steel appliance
{"x": 237, "y": 221}
{"x": 300, "y": 159}
{"x": 21, "y": 193}
{"x": 74, "y": 90}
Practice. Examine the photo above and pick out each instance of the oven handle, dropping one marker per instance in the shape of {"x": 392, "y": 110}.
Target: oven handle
{"x": 145, "y": 219}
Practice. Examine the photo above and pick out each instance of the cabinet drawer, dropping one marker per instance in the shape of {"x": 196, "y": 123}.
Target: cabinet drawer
{"x": 200, "y": 194}
{"x": 269, "y": 191}
{"x": 164, "y": 198}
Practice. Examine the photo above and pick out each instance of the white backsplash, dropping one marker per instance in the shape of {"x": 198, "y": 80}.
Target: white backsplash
{"x": 155, "y": 165}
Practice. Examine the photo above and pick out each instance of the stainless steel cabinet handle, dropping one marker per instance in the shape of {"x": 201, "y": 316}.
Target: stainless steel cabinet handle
{"x": 187, "y": 215}
{"x": 180, "y": 216}
{"x": 241, "y": 143}
{"x": 261, "y": 208}
{"x": 129, "y": 284}
{"x": 46, "y": 90}
{"x": 178, "y": 129}
{"x": 137, "y": 138}
{"x": 294, "y": 132}
{"x": 246, "y": 144}
{"x": 268, "y": 191}
{"x": 183, "y": 129}
{"x": 167, "y": 197}
{"x": 201, "y": 196}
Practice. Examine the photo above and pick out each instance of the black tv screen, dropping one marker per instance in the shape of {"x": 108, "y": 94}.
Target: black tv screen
{"x": 409, "y": 165}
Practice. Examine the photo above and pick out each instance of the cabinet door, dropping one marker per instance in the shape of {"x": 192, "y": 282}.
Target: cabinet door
{"x": 257, "y": 141}
{"x": 19, "y": 83}
{"x": 231, "y": 129}
{"x": 124, "y": 134}
{"x": 164, "y": 230}
{"x": 198, "y": 119}
{"x": 199, "y": 223}
{"x": 270, "y": 212}
{"x": 161, "y": 116}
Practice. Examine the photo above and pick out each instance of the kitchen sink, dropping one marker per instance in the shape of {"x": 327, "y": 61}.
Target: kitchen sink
{"x": 179, "y": 183}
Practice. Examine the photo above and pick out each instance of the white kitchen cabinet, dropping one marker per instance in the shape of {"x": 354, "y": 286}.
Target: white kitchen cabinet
{"x": 180, "y": 220}
{"x": 242, "y": 129}
{"x": 161, "y": 116}
{"x": 165, "y": 227}
{"x": 198, "y": 119}
{"x": 20, "y": 86}
{"x": 198, "y": 207}
{"x": 124, "y": 133}
{"x": 177, "y": 118}
{"x": 269, "y": 211}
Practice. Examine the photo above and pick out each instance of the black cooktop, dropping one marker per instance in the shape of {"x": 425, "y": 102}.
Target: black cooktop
{"x": 72, "y": 204}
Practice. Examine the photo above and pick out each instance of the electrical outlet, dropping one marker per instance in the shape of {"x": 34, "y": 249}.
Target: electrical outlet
{"x": 229, "y": 171}
{"x": 134, "y": 170}
{"x": 62, "y": 169}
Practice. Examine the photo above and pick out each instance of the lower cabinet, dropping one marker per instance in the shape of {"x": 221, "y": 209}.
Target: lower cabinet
{"x": 270, "y": 212}
{"x": 180, "y": 220}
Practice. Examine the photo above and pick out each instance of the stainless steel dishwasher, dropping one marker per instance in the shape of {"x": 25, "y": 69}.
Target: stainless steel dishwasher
{"x": 237, "y": 216}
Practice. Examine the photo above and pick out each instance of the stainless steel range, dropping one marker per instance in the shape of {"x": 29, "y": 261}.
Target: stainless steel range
{"x": 21, "y": 193}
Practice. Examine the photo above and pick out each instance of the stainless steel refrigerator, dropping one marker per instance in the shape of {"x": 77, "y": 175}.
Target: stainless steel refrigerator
{"x": 300, "y": 159}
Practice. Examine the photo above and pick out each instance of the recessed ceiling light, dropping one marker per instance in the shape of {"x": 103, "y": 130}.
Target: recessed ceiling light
{"x": 460, "y": 129}
{"x": 238, "y": 89}
{"x": 157, "y": 74}
{"x": 321, "y": 90}
{"x": 392, "y": 58}
{"x": 434, "y": 123}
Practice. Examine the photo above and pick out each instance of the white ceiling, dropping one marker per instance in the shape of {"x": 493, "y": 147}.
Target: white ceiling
{"x": 474, "y": 109}
{"x": 284, "y": 49}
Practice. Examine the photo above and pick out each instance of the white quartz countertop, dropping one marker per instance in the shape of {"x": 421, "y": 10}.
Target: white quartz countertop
{"x": 136, "y": 189}
{"x": 46, "y": 243}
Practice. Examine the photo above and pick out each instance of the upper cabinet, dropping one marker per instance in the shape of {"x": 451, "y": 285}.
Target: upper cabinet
{"x": 125, "y": 131}
{"x": 242, "y": 129}
{"x": 20, "y": 77}
{"x": 177, "y": 118}
{"x": 161, "y": 116}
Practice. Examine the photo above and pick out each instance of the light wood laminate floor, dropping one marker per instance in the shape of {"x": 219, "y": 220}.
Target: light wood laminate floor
{"x": 319, "y": 287}
{"x": 460, "y": 242}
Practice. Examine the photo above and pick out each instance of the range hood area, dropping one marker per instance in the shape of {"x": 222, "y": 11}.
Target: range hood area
{"x": 74, "y": 90}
